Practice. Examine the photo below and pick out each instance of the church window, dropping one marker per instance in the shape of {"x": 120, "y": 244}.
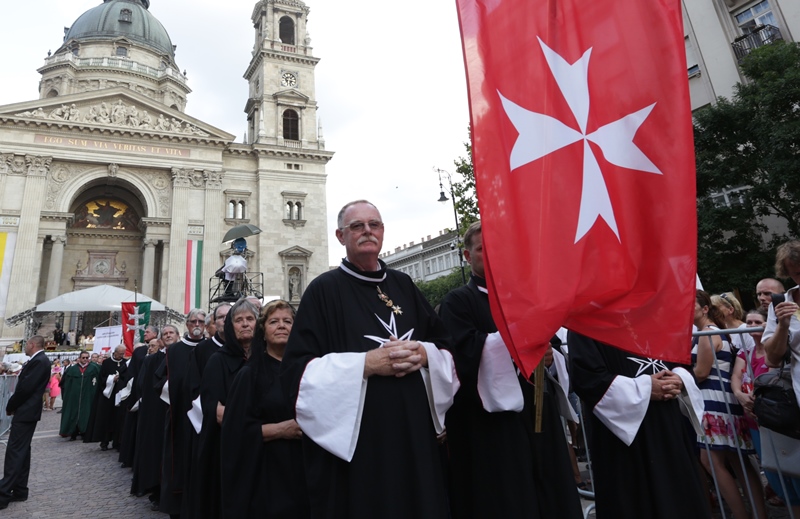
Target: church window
{"x": 122, "y": 51}
{"x": 52, "y": 93}
{"x": 125, "y": 15}
{"x": 291, "y": 125}
{"x": 293, "y": 210}
{"x": 236, "y": 206}
{"x": 287, "y": 30}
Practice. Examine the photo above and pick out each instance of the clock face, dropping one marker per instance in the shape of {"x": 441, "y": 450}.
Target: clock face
{"x": 288, "y": 79}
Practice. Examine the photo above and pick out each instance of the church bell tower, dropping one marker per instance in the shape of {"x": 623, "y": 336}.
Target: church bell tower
{"x": 281, "y": 107}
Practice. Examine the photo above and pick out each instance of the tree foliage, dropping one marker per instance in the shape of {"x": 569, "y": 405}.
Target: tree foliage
{"x": 435, "y": 289}
{"x": 751, "y": 140}
{"x": 464, "y": 192}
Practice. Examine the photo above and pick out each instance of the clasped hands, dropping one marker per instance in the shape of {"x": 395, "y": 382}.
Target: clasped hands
{"x": 395, "y": 358}
{"x": 666, "y": 385}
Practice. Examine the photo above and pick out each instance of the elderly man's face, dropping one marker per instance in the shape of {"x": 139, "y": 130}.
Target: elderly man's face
{"x": 362, "y": 232}
{"x": 764, "y": 290}
{"x": 169, "y": 335}
{"x": 95, "y": 357}
{"x": 219, "y": 321}
{"x": 149, "y": 335}
{"x": 119, "y": 353}
{"x": 196, "y": 325}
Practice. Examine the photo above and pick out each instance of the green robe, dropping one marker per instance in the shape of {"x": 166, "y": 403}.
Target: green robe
{"x": 77, "y": 394}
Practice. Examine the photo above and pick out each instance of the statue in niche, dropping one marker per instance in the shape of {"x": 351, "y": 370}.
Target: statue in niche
{"x": 294, "y": 285}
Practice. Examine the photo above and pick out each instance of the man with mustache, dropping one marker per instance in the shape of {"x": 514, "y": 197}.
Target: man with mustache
{"x": 179, "y": 433}
{"x": 370, "y": 382}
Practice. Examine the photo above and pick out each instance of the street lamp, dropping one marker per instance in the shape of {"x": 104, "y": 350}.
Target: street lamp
{"x": 443, "y": 198}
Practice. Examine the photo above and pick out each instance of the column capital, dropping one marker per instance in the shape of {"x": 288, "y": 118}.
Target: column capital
{"x": 181, "y": 177}
{"x": 59, "y": 239}
{"x": 38, "y": 166}
{"x": 149, "y": 243}
{"x": 213, "y": 179}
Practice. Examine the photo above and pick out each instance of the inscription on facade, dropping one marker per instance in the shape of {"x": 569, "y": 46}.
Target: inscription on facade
{"x": 111, "y": 146}
{"x": 10, "y": 221}
{"x": 195, "y": 230}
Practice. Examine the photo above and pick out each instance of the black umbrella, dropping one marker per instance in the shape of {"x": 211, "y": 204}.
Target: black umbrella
{"x": 241, "y": 231}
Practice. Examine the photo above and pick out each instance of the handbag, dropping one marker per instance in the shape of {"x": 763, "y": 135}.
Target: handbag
{"x": 781, "y": 451}
{"x": 775, "y": 403}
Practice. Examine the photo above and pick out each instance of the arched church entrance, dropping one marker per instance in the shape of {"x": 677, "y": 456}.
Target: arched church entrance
{"x": 104, "y": 245}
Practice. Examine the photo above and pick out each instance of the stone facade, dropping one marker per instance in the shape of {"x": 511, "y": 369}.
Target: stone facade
{"x": 718, "y": 32}
{"x": 113, "y": 183}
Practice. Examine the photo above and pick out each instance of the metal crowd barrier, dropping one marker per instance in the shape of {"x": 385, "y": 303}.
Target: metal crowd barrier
{"x": 742, "y": 457}
{"x": 8, "y": 384}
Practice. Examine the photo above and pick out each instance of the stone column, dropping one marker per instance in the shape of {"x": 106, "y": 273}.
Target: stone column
{"x": 4, "y": 158}
{"x": 56, "y": 264}
{"x": 176, "y": 278}
{"x": 23, "y": 285}
{"x": 214, "y": 224}
{"x": 165, "y": 274}
{"x": 148, "y": 267}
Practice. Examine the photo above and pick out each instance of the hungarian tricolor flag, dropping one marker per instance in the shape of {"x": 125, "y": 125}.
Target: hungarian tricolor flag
{"x": 135, "y": 318}
{"x": 584, "y": 163}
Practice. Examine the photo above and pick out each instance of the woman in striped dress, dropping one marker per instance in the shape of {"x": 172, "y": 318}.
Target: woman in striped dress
{"x": 723, "y": 431}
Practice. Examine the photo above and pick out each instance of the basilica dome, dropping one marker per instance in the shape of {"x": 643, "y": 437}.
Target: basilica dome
{"x": 122, "y": 18}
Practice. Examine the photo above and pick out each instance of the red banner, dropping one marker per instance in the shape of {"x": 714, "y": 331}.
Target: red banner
{"x": 135, "y": 318}
{"x": 584, "y": 163}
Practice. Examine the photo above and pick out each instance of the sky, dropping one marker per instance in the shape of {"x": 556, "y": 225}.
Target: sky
{"x": 390, "y": 87}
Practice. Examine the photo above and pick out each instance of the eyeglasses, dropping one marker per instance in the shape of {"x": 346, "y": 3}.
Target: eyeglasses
{"x": 197, "y": 321}
{"x": 374, "y": 225}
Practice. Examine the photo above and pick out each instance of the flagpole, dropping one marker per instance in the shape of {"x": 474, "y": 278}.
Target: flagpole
{"x": 135, "y": 291}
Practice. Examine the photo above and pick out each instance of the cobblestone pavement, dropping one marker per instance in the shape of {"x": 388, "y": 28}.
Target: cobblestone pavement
{"x": 78, "y": 480}
{"x": 75, "y": 479}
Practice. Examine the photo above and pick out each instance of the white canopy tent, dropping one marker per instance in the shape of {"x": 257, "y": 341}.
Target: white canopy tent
{"x": 102, "y": 298}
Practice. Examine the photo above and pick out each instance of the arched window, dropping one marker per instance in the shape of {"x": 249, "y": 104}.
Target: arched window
{"x": 240, "y": 210}
{"x": 231, "y": 209}
{"x": 299, "y": 211}
{"x": 287, "y": 30}
{"x": 291, "y": 125}
{"x": 125, "y": 15}
{"x": 295, "y": 211}
{"x": 288, "y": 214}
{"x": 52, "y": 93}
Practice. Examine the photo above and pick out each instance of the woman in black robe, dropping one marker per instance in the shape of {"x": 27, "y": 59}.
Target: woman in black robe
{"x": 262, "y": 459}
{"x": 240, "y": 332}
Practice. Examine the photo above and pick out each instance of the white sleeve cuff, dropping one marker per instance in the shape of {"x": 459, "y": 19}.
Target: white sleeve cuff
{"x": 109, "y": 386}
{"x": 165, "y": 392}
{"x": 441, "y": 383}
{"x": 691, "y": 399}
{"x": 498, "y": 385}
{"x": 624, "y": 405}
{"x": 195, "y": 415}
{"x": 330, "y": 402}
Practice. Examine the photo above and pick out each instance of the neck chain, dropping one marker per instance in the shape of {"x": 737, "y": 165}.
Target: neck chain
{"x": 388, "y": 302}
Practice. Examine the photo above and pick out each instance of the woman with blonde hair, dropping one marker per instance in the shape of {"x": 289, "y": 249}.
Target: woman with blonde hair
{"x": 732, "y": 314}
{"x": 724, "y": 427}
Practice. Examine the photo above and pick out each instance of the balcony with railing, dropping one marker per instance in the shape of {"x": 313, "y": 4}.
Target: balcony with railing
{"x": 760, "y": 36}
{"x": 116, "y": 63}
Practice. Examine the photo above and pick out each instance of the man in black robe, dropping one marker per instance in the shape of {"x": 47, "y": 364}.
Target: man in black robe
{"x": 150, "y": 425}
{"x": 203, "y": 483}
{"x": 128, "y": 449}
{"x": 643, "y": 456}
{"x": 107, "y": 419}
{"x": 179, "y": 431}
{"x": 498, "y": 465}
{"x": 369, "y": 383}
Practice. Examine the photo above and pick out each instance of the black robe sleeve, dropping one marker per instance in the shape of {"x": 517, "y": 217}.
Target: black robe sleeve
{"x": 240, "y": 451}
{"x": 589, "y": 373}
